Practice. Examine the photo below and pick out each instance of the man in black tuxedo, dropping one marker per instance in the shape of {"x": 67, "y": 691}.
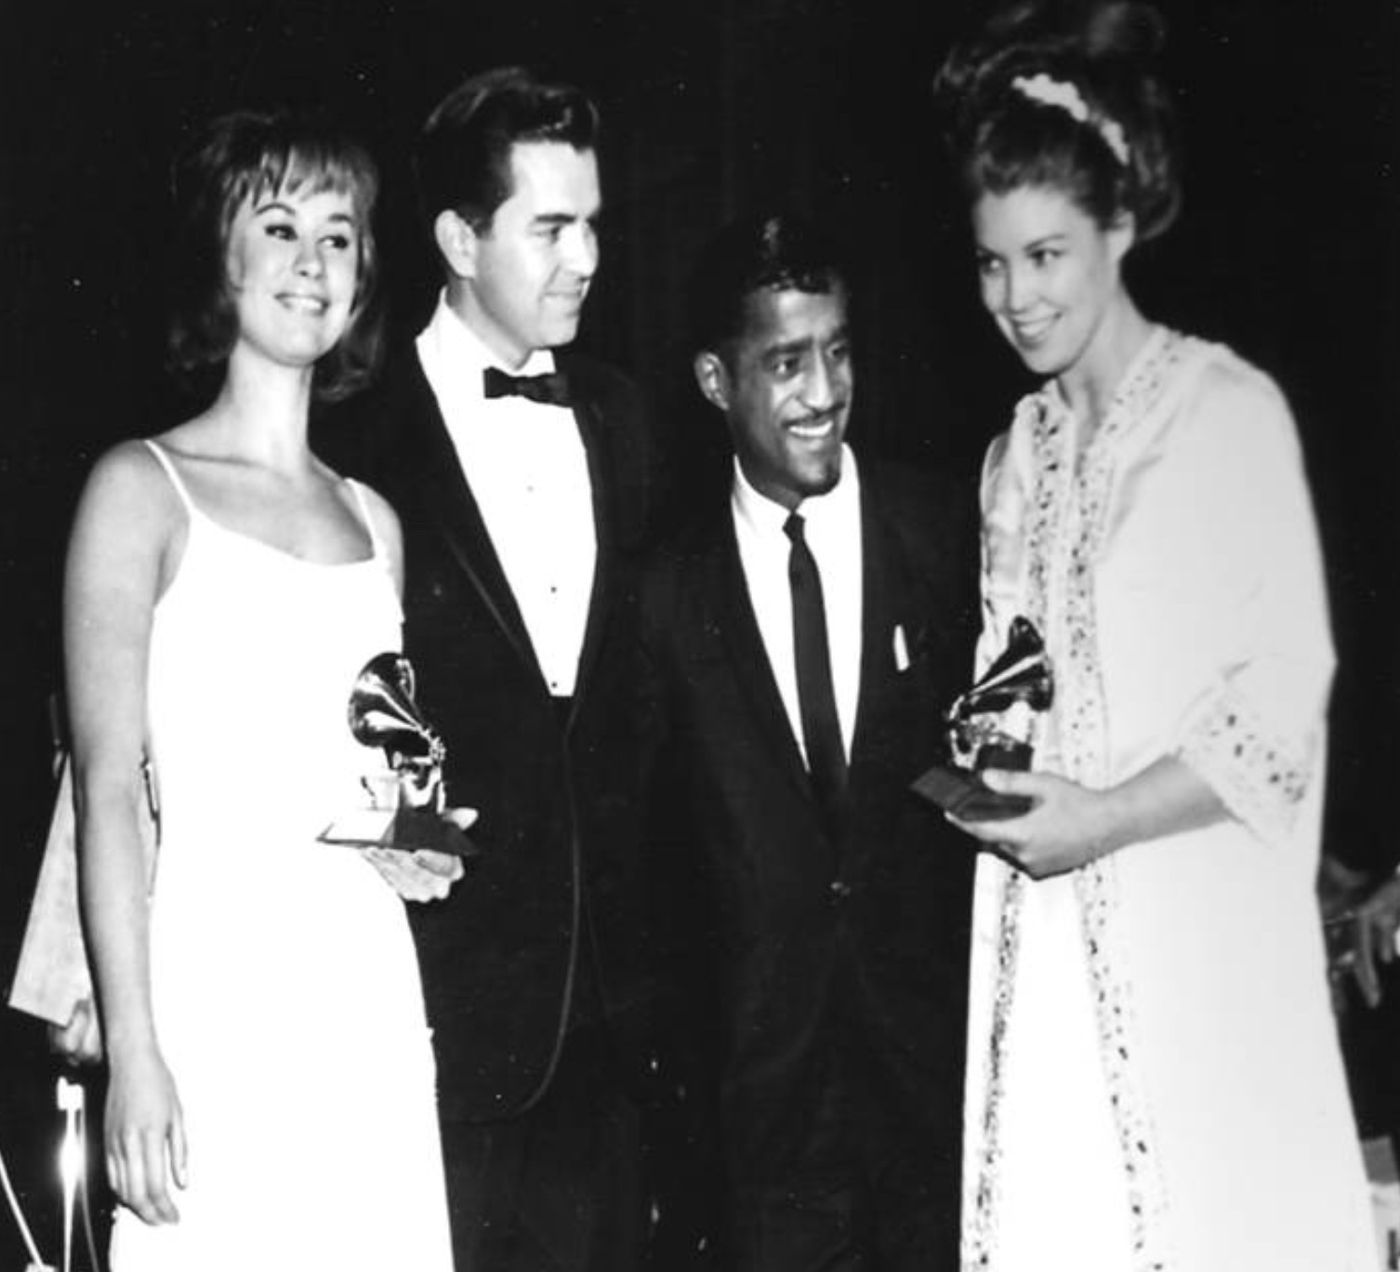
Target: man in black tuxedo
{"x": 798, "y": 645}
{"x": 525, "y": 483}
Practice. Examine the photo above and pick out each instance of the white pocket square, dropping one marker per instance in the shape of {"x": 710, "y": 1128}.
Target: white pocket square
{"x": 901, "y": 649}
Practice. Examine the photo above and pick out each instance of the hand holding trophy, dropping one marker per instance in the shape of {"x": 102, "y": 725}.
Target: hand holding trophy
{"x": 990, "y": 726}
{"x": 405, "y": 807}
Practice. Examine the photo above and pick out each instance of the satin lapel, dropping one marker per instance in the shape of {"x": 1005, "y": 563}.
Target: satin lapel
{"x": 880, "y": 570}
{"x": 449, "y": 498}
{"x": 600, "y": 475}
{"x": 736, "y": 619}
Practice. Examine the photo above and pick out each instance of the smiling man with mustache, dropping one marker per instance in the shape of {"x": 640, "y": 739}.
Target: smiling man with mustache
{"x": 797, "y": 643}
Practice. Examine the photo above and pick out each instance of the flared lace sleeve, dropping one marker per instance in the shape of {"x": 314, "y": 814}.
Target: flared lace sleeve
{"x": 1256, "y": 732}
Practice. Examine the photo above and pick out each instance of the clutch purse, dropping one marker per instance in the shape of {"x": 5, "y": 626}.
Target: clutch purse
{"x": 52, "y": 974}
{"x": 404, "y": 805}
{"x": 990, "y": 726}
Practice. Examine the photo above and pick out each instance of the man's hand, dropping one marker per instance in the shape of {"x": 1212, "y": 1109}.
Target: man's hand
{"x": 1362, "y": 919}
{"x": 424, "y": 875}
{"x": 80, "y": 1040}
{"x": 1374, "y": 925}
{"x": 416, "y": 876}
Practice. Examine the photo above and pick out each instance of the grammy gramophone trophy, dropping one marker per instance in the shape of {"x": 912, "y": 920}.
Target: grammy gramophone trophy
{"x": 405, "y": 804}
{"x": 991, "y": 726}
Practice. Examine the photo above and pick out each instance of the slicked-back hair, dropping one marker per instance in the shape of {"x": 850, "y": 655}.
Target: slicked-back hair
{"x": 463, "y": 163}
{"x": 245, "y": 155}
{"x": 776, "y": 251}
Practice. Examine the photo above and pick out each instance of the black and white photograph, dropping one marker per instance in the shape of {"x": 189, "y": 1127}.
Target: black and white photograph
{"x": 657, "y": 636}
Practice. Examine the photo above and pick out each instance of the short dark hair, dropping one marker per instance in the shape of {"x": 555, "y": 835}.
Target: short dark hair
{"x": 463, "y": 161}
{"x": 776, "y": 250}
{"x": 240, "y": 156}
{"x": 1113, "y": 149}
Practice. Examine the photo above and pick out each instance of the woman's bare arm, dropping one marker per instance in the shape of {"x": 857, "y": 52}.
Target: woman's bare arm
{"x": 119, "y": 553}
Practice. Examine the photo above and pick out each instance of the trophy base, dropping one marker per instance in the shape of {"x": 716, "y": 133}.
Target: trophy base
{"x": 1004, "y": 754}
{"x": 424, "y": 828}
{"x": 965, "y": 796}
{"x": 404, "y": 829}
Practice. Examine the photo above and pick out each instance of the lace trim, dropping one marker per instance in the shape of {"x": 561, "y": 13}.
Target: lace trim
{"x": 1068, "y": 513}
{"x": 980, "y": 1246}
{"x": 980, "y": 1243}
{"x": 1084, "y": 740}
{"x": 1261, "y": 780}
{"x": 1096, "y": 887}
{"x": 1151, "y": 370}
{"x": 1046, "y": 426}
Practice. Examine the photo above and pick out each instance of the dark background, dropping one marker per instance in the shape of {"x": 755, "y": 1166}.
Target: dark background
{"x": 1286, "y": 250}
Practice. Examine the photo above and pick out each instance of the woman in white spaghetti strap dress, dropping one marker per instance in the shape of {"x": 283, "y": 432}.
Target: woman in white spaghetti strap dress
{"x": 271, "y": 1099}
{"x": 1154, "y": 1079}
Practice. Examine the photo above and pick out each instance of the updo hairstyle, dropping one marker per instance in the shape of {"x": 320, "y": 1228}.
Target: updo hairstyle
{"x": 1063, "y": 94}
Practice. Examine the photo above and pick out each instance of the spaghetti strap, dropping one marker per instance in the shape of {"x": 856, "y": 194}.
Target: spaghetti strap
{"x": 375, "y": 542}
{"x": 168, "y": 464}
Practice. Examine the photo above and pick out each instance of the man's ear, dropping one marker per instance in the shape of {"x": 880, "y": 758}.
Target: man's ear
{"x": 456, "y": 240}
{"x": 713, "y": 378}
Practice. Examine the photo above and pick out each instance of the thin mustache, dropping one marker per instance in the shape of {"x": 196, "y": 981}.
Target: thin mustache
{"x": 820, "y": 417}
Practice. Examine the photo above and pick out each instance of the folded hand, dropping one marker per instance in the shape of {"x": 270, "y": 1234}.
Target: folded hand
{"x": 78, "y": 1042}
{"x": 423, "y": 875}
{"x": 1069, "y": 826}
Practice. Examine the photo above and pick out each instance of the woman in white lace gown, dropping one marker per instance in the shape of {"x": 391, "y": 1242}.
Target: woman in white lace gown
{"x": 1154, "y": 1079}
{"x": 271, "y": 1098}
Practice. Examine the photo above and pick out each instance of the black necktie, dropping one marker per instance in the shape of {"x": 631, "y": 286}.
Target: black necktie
{"x": 552, "y": 388}
{"x": 821, "y": 727}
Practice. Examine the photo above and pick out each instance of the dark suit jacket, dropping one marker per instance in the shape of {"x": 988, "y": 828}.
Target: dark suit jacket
{"x": 549, "y": 907}
{"x": 784, "y": 937}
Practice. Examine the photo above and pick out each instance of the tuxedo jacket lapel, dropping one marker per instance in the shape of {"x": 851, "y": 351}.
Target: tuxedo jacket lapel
{"x": 900, "y": 611}
{"x": 588, "y": 414}
{"x": 448, "y": 495}
{"x": 878, "y": 619}
{"x": 455, "y": 508}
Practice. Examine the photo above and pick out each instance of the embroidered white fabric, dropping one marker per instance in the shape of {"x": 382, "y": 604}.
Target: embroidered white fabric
{"x": 1128, "y": 1020}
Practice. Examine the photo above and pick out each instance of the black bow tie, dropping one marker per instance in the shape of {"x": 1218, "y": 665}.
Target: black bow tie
{"x": 552, "y": 388}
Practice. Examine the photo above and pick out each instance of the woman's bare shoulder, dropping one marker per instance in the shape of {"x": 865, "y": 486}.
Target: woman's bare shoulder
{"x": 128, "y": 492}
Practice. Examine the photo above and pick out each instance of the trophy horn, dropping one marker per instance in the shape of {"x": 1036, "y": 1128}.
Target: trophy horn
{"x": 382, "y": 711}
{"x": 1021, "y": 673}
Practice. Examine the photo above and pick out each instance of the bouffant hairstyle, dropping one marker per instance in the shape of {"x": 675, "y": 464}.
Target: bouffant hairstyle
{"x": 245, "y": 155}
{"x": 463, "y": 158}
{"x": 1065, "y": 94}
{"x": 776, "y": 250}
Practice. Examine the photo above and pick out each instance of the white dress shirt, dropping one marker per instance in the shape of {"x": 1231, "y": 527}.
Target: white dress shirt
{"x": 832, "y": 531}
{"x": 527, "y": 467}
